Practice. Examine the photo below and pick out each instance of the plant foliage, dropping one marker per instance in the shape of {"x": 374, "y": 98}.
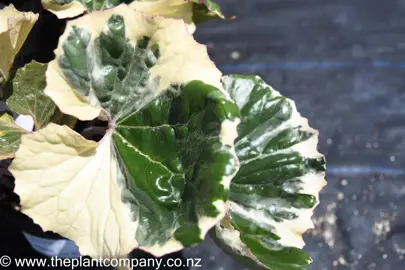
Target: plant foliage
{"x": 184, "y": 149}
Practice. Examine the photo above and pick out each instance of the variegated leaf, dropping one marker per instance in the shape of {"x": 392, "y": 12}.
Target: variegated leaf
{"x": 159, "y": 178}
{"x": 273, "y": 195}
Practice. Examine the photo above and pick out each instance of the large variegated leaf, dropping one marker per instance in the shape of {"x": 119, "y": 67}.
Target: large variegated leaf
{"x": 189, "y": 10}
{"x": 101, "y": 58}
{"x": 274, "y": 193}
{"x": 14, "y": 29}
{"x": 159, "y": 178}
{"x": 28, "y": 96}
{"x": 10, "y": 136}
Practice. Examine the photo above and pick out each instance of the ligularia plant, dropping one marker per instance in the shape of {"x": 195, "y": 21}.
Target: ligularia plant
{"x": 184, "y": 151}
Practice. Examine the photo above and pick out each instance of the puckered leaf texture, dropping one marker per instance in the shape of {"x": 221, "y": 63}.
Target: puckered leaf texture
{"x": 160, "y": 177}
{"x": 273, "y": 194}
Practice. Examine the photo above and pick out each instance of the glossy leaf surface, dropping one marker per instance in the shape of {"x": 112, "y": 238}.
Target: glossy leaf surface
{"x": 160, "y": 177}
{"x": 273, "y": 195}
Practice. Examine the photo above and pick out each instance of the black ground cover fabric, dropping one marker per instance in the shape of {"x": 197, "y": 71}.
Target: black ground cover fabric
{"x": 343, "y": 62}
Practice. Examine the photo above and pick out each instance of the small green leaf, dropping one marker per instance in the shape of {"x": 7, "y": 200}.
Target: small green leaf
{"x": 273, "y": 194}
{"x": 204, "y": 10}
{"x": 10, "y": 136}
{"x": 28, "y": 96}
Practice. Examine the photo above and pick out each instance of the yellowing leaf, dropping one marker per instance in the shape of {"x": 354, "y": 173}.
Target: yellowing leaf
{"x": 14, "y": 29}
{"x": 64, "y": 9}
{"x": 158, "y": 185}
{"x": 178, "y": 9}
{"x": 10, "y": 135}
{"x": 71, "y": 185}
{"x": 191, "y": 11}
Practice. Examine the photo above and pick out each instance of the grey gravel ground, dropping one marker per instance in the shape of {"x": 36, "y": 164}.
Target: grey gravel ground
{"x": 344, "y": 64}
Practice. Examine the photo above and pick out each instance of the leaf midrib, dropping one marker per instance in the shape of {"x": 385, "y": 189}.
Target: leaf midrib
{"x": 145, "y": 155}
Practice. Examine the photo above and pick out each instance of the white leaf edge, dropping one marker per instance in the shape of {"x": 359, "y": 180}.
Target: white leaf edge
{"x": 71, "y": 186}
{"x": 289, "y": 231}
{"x": 182, "y": 59}
{"x": 73, "y": 9}
{"x": 74, "y": 187}
{"x": 180, "y": 9}
{"x": 174, "y": 67}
